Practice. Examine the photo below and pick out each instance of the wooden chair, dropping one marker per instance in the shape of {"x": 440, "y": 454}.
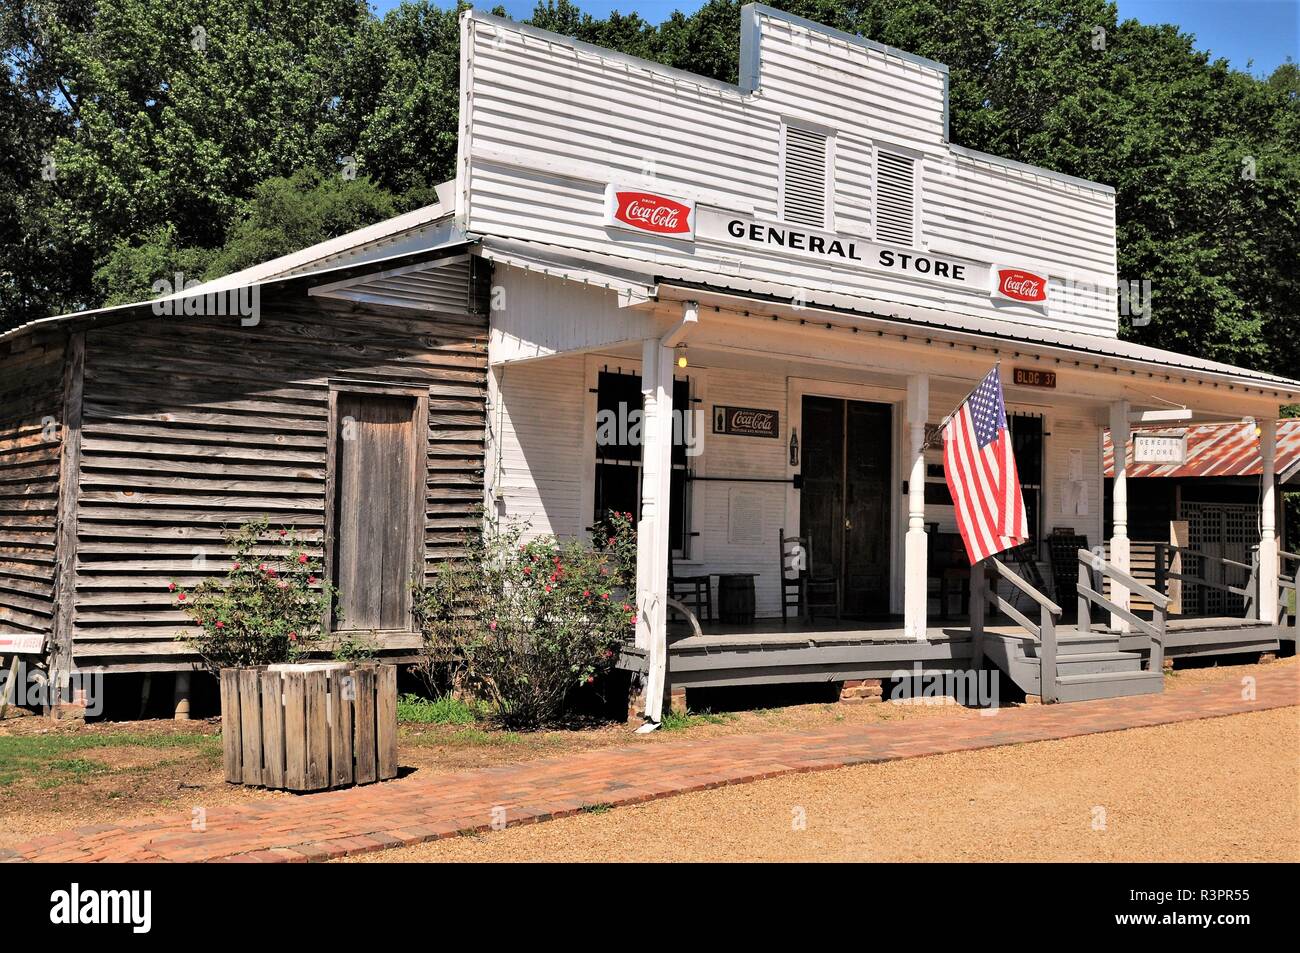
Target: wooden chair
{"x": 801, "y": 589}
{"x": 694, "y": 592}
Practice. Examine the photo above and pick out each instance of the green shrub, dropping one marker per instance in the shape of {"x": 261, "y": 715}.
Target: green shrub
{"x": 524, "y": 623}
{"x": 270, "y": 607}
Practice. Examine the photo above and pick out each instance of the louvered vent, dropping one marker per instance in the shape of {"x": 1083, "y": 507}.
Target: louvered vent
{"x": 803, "y": 179}
{"x": 895, "y": 199}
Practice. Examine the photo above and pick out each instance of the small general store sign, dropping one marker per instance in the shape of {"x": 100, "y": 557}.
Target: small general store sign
{"x": 1159, "y": 448}
{"x": 746, "y": 422}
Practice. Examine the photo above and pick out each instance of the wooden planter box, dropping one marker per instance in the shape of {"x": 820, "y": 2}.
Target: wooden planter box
{"x": 309, "y": 727}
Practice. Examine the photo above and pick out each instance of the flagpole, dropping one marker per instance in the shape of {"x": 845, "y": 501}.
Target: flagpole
{"x": 943, "y": 423}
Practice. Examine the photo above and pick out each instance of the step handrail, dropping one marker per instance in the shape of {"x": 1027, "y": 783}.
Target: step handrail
{"x": 1044, "y": 631}
{"x": 1092, "y": 568}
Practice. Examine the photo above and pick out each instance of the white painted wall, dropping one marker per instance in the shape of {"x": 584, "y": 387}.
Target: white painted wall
{"x": 550, "y": 122}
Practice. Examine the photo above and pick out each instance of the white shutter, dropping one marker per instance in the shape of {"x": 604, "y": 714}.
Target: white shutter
{"x": 895, "y": 199}
{"x": 805, "y": 177}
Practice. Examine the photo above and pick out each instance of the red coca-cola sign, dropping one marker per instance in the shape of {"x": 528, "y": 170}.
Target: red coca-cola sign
{"x": 650, "y": 212}
{"x": 1020, "y": 285}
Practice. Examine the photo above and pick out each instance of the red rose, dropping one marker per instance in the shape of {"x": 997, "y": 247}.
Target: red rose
{"x": 221, "y": 625}
{"x": 171, "y": 587}
{"x": 302, "y": 558}
{"x": 311, "y": 580}
{"x": 181, "y": 597}
{"x": 528, "y": 570}
{"x": 235, "y": 566}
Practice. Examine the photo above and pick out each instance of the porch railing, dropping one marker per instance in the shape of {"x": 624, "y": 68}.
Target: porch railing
{"x": 1092, "y": 570}
{"x": 1044, "y": 630}
{"x": 1288, "y": 595}
{"x": 1166, "y": 553}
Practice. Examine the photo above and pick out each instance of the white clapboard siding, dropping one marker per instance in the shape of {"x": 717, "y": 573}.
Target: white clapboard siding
{"x": 549, "y": 123}
{"x": 536, "y": 445}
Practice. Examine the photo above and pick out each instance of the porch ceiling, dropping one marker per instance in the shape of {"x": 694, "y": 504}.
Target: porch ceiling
{"x": 643, "y": 282}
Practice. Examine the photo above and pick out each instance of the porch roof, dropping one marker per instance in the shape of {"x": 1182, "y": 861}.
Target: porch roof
{"x": 640, "y": 281}
{"x": 1218, "y": 450}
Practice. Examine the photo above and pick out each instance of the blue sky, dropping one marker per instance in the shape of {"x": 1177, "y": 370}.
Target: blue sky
{"x": 1263, "y": 31}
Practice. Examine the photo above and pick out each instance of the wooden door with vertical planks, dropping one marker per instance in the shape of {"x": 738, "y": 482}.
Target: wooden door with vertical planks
{"x": 376, "y": 474}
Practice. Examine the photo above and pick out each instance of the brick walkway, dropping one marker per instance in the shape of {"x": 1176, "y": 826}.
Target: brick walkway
{"x": 410, "y": 811}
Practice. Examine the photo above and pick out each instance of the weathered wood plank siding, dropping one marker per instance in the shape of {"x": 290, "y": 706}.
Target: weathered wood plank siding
{"x": 194, "y": 424}
{"x": 31, "y": 408}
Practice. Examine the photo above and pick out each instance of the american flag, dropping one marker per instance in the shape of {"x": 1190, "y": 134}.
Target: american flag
{"x": 981, "y": 472}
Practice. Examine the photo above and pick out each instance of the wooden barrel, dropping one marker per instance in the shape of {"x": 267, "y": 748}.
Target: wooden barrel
{"x": 736, "y": 599}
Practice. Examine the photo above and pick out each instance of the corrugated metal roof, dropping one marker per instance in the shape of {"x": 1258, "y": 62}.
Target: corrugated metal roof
{"x": 1217, "y": 450}
{"x": 563, "y": 262}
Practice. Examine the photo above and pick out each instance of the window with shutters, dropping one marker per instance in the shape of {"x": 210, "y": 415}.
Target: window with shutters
{"x": 895, "y": 199}
{"x": 806, "y": 177}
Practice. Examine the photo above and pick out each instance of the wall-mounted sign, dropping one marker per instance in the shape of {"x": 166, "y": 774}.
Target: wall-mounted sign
{"x": 836, "y": 249}
{"x": 24, "y": 644}
{"x": 1033, "y": 377}
{"x": 1159, "y": 448}
{"x": 1016, "y": 284}
{"x": 746, "y": 422}
{"x": 641, "y": 211}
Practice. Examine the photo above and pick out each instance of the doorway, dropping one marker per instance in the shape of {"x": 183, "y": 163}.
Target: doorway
{"x": 377, "y": 525}
{"x": 845, "y": 502}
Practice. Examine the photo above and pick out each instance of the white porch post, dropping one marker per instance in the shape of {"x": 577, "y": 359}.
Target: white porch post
{"x": 915, "y": 582}
{"x": 653, "y": 529}
{"x": 1119, "y": 545}
{"x": 1268, "y": 558}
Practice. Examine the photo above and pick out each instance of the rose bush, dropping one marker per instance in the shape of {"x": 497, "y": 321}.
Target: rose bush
{"x": 270, "y": 607}
{"x": 526, "y": 622}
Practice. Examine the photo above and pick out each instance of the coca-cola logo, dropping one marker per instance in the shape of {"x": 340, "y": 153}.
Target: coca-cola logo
{"x": 1021, "y": 285}
{"x": 755, "y": 420}
{"x": 746, "y": 421}
{"x": 652, "y": 213}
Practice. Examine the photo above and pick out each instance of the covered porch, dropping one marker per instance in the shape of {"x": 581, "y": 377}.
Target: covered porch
{"x": 716, "y": 494}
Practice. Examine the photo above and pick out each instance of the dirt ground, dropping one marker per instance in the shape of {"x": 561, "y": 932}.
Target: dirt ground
{"x": 1223, "y": 789}
{"x": 54, "y": 777}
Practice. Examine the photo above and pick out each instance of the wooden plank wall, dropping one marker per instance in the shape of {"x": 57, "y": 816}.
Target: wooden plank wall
{"x": 31, "y": 407}
{"x": 191, "y": 424}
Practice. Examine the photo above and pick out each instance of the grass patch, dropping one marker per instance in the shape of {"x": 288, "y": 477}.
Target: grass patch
{"x": 680, "y": 721}
{"x": 54, "y": 755}
{"x": 447, "y": 710}
{"x": 601, "y": 808}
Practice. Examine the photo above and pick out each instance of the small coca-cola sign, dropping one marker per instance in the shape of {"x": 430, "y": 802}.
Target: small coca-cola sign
{"x": 1016, "y": 284}
{"x": 643, "y": 211}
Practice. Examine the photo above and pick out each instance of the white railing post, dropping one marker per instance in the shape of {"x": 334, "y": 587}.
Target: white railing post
{"x": 916, "y": 594}
{"x": 1119, "y": 543}
{"x": 1267, "y": 601}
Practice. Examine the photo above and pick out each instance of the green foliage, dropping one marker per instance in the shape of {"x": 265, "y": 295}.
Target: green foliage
{"x": 169, "y": 156}
{"x": 443, "y": 710}
{"x": 527, "y": 622}
{"x": 269, "y": 608}
{"x": 286, "y": 214}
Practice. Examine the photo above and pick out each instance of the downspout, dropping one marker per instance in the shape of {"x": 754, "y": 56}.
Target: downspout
{"x": 653, "y": 607}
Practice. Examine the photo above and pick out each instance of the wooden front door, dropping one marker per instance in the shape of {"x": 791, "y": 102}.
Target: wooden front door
{"x": 844, "y": 506}
{"x": 377, "y": 468}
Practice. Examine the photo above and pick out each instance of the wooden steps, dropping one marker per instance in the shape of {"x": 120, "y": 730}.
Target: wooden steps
{"x": 1089, "y": 665}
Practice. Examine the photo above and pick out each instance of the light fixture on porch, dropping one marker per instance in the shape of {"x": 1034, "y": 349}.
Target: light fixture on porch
{"x": 794, "y": 447}
{"x": 681, "y": 355}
